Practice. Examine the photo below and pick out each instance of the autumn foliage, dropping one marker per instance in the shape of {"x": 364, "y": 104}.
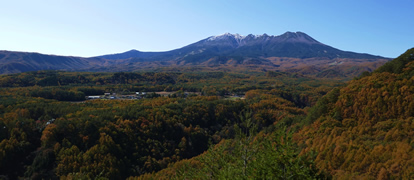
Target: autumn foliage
{"x": 365, "y": 129}
{"x": 208, "y": 125}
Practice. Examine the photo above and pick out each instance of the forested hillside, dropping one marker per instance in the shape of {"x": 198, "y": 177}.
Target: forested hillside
{"x": 365, "y": 130}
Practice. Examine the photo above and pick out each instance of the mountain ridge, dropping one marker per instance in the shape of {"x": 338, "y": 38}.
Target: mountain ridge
{"x": 286, "y": 52}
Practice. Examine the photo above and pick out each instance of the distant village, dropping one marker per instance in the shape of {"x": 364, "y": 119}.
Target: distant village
{"x": 137, "y": 95}
{"x": 141, "y": 95}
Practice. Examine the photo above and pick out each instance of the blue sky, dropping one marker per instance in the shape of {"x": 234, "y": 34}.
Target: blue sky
{"x": 96, "y": 27}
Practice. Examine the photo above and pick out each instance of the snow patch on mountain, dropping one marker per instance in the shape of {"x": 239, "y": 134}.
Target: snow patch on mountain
{"x": 226, "y": 35}
{"x": 258, "y": 36}
{"x": 236, "y": 36}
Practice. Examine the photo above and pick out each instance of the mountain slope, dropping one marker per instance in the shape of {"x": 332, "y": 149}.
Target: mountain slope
{"x": 130, "y": 54}
{"x": 365, "y": 129}
{"x": 16, "y": 62}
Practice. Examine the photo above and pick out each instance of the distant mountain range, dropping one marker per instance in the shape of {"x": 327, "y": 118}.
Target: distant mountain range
{"x": 291, "y": 51}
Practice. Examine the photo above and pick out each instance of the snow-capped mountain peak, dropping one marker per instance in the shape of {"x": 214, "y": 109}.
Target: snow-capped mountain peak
{"x": 290, "y": 36}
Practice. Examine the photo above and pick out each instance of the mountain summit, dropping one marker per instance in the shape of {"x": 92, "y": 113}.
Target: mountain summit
{"x": 298, "y": 37}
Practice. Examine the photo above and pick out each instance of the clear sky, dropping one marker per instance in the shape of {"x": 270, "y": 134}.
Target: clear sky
{"x": 96, "y": 27}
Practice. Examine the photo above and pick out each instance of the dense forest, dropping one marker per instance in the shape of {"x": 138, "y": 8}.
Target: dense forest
{"x": 208, "y": 125}
{"x": 49, "y": 130}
